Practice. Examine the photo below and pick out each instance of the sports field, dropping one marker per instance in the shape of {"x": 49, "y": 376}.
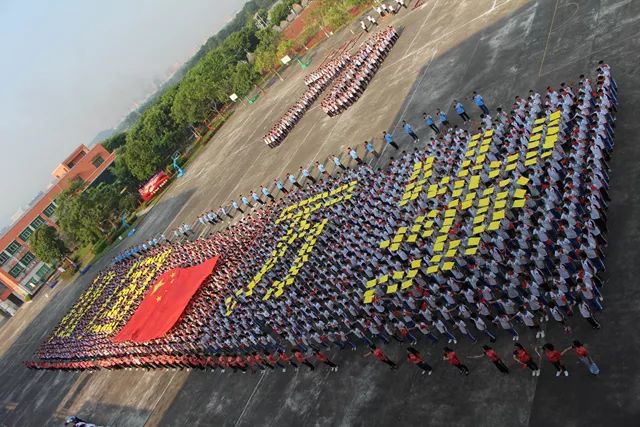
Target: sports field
{"x": 446, "y": 50}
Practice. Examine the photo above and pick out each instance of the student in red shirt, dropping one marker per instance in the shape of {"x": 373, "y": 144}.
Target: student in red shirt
{"x": 240, "y": 363}
{"x": 301, "y": 359}
{"x": 324, "y": 359}
{"x": 273, "y": 361}
{"x": 284, "y": 357}
{"x": 415, "y": 357}
{"x": 378, "y": 354}
{"x": 521, "y": 356}
{"x": 554, "y": 356}
{"x": 491, "y": 354}
{"x": 452, "y": 358}
{"x": 583, "y": 355}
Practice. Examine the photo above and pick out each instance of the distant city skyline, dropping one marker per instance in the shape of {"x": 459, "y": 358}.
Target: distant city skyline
{"x": 73, "y": 69}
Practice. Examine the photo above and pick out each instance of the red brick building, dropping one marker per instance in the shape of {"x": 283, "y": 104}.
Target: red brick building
{"x": 21, "y": 273}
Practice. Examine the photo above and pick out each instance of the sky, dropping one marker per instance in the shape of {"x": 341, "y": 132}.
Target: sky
{"x": 72, "y": 68}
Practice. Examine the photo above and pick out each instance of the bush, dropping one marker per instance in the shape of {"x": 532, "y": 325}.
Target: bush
{"x": 100, "y": 246}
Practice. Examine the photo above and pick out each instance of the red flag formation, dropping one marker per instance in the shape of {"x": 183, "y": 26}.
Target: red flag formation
{"x": 165, "y": 302}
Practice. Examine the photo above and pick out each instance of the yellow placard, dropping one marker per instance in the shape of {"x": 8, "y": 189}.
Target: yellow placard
{"x": 406, "y": 284}
{"x": 498, "y": 215}
{"x": 523, "y": 180}
{"x": 478, "y": 229}
{"x": 416, "y": 263}
{"x": 518, "y": 203}
{"x": 392, "y": 288}
{"x": 447, "y": 266}
{"x": 494, "y": 226}
{"x": 432, "y": 269}
{"x": 471, "y": 251}
{"x": 519, "y": 193}
{"x": 384, "y": 244}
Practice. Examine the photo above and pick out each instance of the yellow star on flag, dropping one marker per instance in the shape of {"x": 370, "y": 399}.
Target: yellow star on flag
{"x": 157, "y": 286}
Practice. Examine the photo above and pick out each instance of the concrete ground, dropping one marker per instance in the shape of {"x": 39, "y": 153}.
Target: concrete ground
{"x": 447, "y": 49}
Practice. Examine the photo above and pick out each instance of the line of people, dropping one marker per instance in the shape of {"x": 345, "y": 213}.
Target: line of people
{"x": 319, "y": 81}
{"x": 364, "y": 64}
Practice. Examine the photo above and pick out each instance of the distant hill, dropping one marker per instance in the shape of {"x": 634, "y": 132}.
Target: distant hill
{"x": 101, "y": 136}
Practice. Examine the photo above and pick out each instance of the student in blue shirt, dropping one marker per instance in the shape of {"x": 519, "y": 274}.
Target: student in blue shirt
{"x": 266, "y": 192}
{"x": 322, "y": 168}
{"x": 256, "y": 198}
{"x": 444, "y": 120}
{"x": 307, "y": 175}
{"x": 408, "y": 129}
{"x": 429, "y": 122}
{"x": 235, "y": 206}
{"x": 460, "y": 110}
{"x": 280, "y": 186}
{"x": 479, "y": 101}
{"x": 368, "y": 145}
{"x": 245, "y": 201}
{"x": 389, "y": 139}
{"x": 294, "y": 181}
{"x": 354, "y": 155}
{"x": 336, "y": 161}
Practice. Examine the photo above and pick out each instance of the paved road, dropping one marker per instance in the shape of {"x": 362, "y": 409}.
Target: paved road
{"x": 447, "y": 49}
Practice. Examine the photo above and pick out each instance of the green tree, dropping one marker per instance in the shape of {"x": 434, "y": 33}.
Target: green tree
{"x": 266, "y": 52}
{"x": 123, "y": 175}
{"x": 279, "y": 13}
{"x": 76, "y": 218}
{"x": 115, "y": 142}
{"x": 47, "y": 245}
{"x": 243, "y": 78}
{"x": 284, "y": 48}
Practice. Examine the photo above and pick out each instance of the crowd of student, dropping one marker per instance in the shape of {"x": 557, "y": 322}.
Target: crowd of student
{"x": 363, "y": 66}
{"x": 316, "y": 83}
{"x": 540, "y": 267}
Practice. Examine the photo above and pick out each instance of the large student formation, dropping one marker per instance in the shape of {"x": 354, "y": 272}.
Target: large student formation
{"x": 481, "y": 236}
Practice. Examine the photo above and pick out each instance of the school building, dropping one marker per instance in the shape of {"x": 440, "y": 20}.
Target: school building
{"x": 21, "y": 273}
